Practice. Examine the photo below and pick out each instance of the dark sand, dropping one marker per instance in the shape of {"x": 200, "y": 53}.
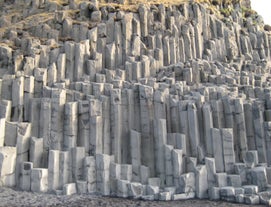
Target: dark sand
{"x": 10, "y": 197}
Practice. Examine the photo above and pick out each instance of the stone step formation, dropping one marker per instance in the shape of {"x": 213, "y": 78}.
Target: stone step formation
{"x": 162, "y": 103}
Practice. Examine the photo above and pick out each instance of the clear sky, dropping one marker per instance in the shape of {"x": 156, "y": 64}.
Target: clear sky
{"x": 263, "y": 7}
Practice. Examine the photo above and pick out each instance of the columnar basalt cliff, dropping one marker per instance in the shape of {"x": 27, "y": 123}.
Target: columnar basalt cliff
{"x": 158, "y": 102}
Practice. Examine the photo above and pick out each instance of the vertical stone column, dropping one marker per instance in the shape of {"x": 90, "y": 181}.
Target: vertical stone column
{"x": 70, "y": 125}
{"x": 158, "y": 55}
{"x": 110, "y": 28}
{"x": 77, "y": 163}
{"x": 127, "y": 30}
{"x": 18, "y": 98}
{"x": 118, "y": 43}
{"x": 201, "y": 182}
{"x": 10, "y": 134}
{"x": 249, "y": 126}
{"x": 211, "y": 173}
{"x": 25, "y": 183}
{"x": 213, "y": 28}
{"x": 136, "y": 70}
{"x": 110, "y": 56}
{"x": 92, "y": 36}
{"x": 90, "y": 173}
{"x": 145, "y": 70}
{"x": 101, "y": 41}
{"x": 160, "y": 142}
{"x": 131, "y": 108}
{"x": 96, "y": 135}
{"x": 136, "y": 46}
{"x": 166, "y": 51}
{"x": 51, "y": 75}
{"x": 193, "y": 129}
{"x": 28, "y": 95}
{"x": 267, "y": 131}
{"x": 103, "y": 173}
{"x": 257, "y": 112}
{"x": 260, "y": 45}
{"x": 57, "y": 119}
{"x": 228, "y": 149}
{"x": 186, "y": 42}
{"x": 240, "y": 129}
{"x": 136, "y": 99}
{"x": 105, "y": 101}
{"x": 207, "y": 125}
{"x": 218, "y": 150}
{"x": 94, "y": 66}
{"x": 115, "y": 174}
{"x": 36, "y": 152}
{"x": 198, "y": 41}
{"x": 2, "y": 132}
{"x": 83, "y": 125}
{"x": 8, "y": 156}
{"x": 218, "y": 116}
{"x": 64, "y": 168}
{"x": 53, "y": 170}
{"x": 184, "y": 127}
{"x": 34, "y": 116}
{"x": 22, "y": 145}
{"x": 79, "y": 53}
{"x": 182, "y": 57}
{"x": 174, "y": 114}
{"x": 135, "y": 147}
{"x": 70, "y": 53}
{"x": 162, "y": 15}
{"x": 177, "y": 164}
{"x": 40, "y": 75}
{"x": 6, "y": 86}
{"x": 5, "y": 109}
{"x": 39, "y": 180}
{"x": 143, "y": 16}
{"x": 181, "y": 142}
{"x": 266, "y": 45}
{"x": 61, "y": 67}
{"x": 169, "y": 165}
{"x": 125, "y": 134}
{"x": 160, "y": 98}
{"x": 228, "y": 112}
{"x": 45, "y": 126}
{"x": 146, "y": 120}
{"x": 173, "y": 52}
{"x": 116, "y": 127}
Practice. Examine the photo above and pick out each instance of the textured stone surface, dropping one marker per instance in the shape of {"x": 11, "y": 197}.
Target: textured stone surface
{"x": 159, "y": 103}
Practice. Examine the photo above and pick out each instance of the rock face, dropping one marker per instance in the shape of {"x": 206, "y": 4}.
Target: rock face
{"x": 164, "y": 103}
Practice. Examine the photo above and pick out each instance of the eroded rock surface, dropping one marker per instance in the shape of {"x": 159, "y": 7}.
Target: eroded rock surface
{"x": 162, "y": 103}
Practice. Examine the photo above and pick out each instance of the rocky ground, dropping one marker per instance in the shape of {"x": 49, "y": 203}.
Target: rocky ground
{"x": 10, "y": 197}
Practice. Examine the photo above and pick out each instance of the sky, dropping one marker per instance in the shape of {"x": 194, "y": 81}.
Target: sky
{"x": 263, "y": 8}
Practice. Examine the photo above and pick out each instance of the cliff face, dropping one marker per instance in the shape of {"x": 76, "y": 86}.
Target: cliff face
{"x": 160, "y": 103}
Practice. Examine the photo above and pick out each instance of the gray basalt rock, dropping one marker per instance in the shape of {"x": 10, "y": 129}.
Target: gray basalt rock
{"x": 159, "y": 103}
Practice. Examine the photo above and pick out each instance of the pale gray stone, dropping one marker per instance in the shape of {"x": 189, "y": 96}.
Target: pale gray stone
{"x": 69, "y": 189}
{"x": 135, "y": 190}
{"x": 39, "y": 180}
